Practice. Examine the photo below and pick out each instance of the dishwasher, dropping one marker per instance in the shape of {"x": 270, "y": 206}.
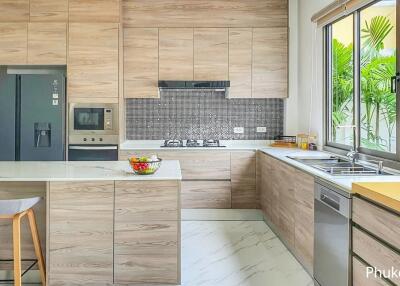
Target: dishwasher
{"x": 332, "y": 241}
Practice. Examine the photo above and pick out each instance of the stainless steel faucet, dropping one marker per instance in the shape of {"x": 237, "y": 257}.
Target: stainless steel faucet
{"x": 379, "y": 163}
{"x": 353, "y": 154}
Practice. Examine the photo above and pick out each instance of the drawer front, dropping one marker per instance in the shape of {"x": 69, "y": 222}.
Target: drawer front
{"x": 201, "y": 165}
{"x": 147, "y": 200}
{"x": 243, "y": 177}
{"x": 81, "y": 234}
{"x": 206, "y": 194}
{"x": 146, "y": 252}
{"x": 375, "y": 253}
{"x": 381, "y": 223}
{"x": 126, "y": 154}
{"x": 360, "y": 275}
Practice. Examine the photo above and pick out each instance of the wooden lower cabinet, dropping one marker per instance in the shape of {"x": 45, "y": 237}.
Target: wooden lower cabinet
{"x": 126, "y": 154}
{"x": 212, "y": 179}
{"x": 376, "y": 241}
{"x": 287, "y": 202}
{"x": 81, "y": 233}
{"x": 377, "y": 220}
{"x": 243, "y": 179}
{"x": 105, "y": 232}
{"x": 286, "y": 187}
{"x": 147, "y": 232}
{"x": 375, "y": 253}
{"x": 147, "y": 200}
{"x": 262, "y": 178}
{"x": 304, "y": 219}
{"x": 360, "y": 276}
{"x": 206, "y": 194}
{"x": 145, "y": 252}
{"x": 201, "y": 165}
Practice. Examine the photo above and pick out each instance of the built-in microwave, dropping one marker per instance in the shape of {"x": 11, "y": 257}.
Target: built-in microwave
{"x": 93, "y": 123}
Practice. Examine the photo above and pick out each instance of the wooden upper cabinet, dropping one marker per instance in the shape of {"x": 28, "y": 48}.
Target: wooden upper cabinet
{"x": 48, "y": 10}
{"x": 140, "y": 62}
{"x": 211, "y": 54}
{"x": 83, "y": 11}
{"x": 13, "y": 43}
{"x": 14, "y": 11}
{"x": 240, "y": 62}
{"x": 270, "y": 63}
{"x": 47, "y": 44}
{"x": 205, "y": 13}
{"x": 93, "y": 60}
{"x": 176, "y": 54}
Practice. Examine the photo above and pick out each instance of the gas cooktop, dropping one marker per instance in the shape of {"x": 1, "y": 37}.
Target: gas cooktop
{"x": 178, "y": 143}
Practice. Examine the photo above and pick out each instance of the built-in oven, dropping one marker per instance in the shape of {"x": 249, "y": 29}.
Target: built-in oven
{"x": 93, "y": 123}
{"x": 93, "y": 153}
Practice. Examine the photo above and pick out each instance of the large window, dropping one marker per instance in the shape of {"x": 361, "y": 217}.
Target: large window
{"x": 341, "y": 81}
{"x": 361, "y": 69}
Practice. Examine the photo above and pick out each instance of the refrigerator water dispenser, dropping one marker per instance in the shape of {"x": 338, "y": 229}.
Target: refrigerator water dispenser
{"x": 42, "y": 135}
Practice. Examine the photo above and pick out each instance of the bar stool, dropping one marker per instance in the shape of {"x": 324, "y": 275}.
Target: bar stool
{"x": 15, "y": 210}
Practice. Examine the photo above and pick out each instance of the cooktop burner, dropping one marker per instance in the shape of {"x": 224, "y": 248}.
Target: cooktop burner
{"x": 211, "y": 143}
{"x": 208, "y": 143}
{"x": 193, "y": 143}
{"x": 173, "y": 143}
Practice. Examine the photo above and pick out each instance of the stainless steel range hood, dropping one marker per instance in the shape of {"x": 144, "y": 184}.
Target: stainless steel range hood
{"x": 203, "y": 85}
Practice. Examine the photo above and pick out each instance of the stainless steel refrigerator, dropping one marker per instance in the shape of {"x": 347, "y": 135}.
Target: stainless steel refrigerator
{"x": 32, "y": 114}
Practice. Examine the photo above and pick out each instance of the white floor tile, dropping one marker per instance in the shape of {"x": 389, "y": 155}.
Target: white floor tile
{"x": 230, "y": 253}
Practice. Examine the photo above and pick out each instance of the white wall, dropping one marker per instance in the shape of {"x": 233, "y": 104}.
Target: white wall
{"x": 306, "y": 72}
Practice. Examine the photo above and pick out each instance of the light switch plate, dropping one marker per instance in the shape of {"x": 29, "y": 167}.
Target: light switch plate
{"x": 238, "y": 130}
{"x": 261, "y": 129}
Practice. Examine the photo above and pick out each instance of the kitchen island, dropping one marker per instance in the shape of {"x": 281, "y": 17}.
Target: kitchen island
{"x": 99, "y": 223}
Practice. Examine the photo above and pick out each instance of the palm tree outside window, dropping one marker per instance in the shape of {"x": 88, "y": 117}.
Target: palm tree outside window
{"x": 361, "y": 67}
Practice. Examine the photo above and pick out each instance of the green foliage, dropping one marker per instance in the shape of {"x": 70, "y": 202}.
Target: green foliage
{"x": 342, "y": 82}
{"x": 376, "y": 72}
{"x": 374, "y": 34}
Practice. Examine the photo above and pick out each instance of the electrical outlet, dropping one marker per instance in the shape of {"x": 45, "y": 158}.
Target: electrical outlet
{"x": 238, "y": 130}
{"x": 261, "y": 129}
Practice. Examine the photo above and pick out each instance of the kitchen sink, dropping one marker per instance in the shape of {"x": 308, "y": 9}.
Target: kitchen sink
{"x": 338, "y": 166}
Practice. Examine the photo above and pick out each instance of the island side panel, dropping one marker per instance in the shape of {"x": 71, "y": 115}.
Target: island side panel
{"x": 147, "y": 232}
{"x": 19, "y": 190}
{"x": 81, "y": 233}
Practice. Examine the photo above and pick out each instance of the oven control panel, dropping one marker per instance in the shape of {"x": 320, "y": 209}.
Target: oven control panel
{"x": 108, "y": 119}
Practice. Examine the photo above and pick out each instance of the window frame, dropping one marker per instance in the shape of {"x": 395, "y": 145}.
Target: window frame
{"x": 392, "y": 158}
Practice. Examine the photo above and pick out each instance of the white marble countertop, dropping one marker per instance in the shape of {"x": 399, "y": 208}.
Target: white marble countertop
{"x": 80, "y": 171}
{"x": 343, "y": 182}
{"x": 230, "y": 145}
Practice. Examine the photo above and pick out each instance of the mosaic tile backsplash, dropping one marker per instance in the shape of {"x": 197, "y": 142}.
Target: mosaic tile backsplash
{"x": 201, "y": 114}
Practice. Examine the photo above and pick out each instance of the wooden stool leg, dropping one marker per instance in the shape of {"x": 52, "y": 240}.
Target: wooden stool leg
{"x": 36, "y": 244}
{"x": 17, "y": 249}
